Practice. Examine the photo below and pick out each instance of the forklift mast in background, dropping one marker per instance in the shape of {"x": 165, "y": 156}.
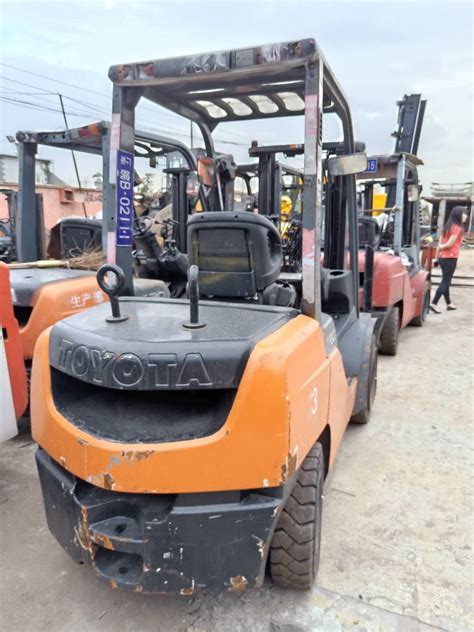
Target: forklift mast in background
{"x": 411, "y": 111}
{"x": 270, "y": 174}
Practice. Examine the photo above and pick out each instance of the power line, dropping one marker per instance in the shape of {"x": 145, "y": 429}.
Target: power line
{"x": 64, "y": 83}
{"x": 71, "y": 85}
{"x": 100, "y": 94}
{"x": 162, "y": 130}
{"x": 34, "y": 106}
{"x": 40, "y": 106}
{"x": 39, "y": 96}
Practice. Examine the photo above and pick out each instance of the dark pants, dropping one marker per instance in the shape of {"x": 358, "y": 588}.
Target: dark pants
{"x": 448, "y": 266}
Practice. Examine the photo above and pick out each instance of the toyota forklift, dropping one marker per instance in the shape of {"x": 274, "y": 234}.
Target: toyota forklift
{"x": 184, "y": 442}
{"x": 390, "y": 226}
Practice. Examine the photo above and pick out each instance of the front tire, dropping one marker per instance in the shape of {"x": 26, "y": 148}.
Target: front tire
{"x": 419, "y": 321}
{"x": 389, "y": 336}
{"x": 296, "y": 543}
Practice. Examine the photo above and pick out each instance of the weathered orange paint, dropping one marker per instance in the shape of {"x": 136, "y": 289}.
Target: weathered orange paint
{"x": 55, "y": 301}
{"x": 268, "y": 432}
{"x": 15, "y": 361}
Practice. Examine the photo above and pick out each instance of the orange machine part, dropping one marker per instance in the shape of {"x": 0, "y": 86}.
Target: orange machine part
{"x": 55, "y": 301}
{"x": 282, "y": 406}
{"x": 13, "y": 348}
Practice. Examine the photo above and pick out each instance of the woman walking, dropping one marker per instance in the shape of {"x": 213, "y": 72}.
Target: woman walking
{"x": 448, "y": 253}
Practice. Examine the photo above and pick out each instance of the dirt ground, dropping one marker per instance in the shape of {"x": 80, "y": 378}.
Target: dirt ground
{"x": 397, "y": 533}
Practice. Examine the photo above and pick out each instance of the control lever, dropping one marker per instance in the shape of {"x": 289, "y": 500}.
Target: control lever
{"x": 112, "y": 291}
{"x": 193, "y": 293}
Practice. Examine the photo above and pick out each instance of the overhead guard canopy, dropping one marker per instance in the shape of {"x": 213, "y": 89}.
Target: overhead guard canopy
{"x": 234, "y": 85}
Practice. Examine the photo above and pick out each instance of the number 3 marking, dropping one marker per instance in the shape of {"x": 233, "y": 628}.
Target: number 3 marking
{"x": 313, "y": 398}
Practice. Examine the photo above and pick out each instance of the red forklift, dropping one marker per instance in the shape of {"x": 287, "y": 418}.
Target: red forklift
{"x": 389, "y": 232}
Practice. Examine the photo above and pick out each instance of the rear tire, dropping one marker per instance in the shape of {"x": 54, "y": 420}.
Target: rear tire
{"x": 419, "y": 321}
{"x": 389, "y": 336}
{"x": 296, "y": 543}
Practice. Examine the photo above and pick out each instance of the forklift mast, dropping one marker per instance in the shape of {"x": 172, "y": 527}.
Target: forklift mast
{"x": 398, "y": 172}
{"x": 270, "y": 173}
{"x": 411, "y": 111}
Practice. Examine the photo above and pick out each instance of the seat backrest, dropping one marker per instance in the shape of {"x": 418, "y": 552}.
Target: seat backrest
{"x": 238, "y": 254}
{"x": 73, "y": 236}
{"x": 369, "y": 232}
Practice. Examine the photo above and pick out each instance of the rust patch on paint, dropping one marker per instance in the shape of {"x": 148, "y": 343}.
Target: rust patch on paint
{"x": 238, "y": 583}
{"x": 82, "y": 441}
{"x": 82, "y": 532}
{"x": 106, "y": 481}
{"x": 109, "y": 481}
{"x": 288, "y": 467}
{"x": 133, "y": 456}
{"x": 103, "y": 540}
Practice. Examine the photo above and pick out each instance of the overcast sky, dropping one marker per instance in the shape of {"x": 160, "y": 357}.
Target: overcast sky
{"x": 378, "y": 51}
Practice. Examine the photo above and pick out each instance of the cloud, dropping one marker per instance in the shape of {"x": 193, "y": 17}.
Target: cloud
{"x": 378, "y": 51}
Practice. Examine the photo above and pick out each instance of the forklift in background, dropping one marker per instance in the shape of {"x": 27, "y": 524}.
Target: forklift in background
{"x": 401, "y": 287}
{"x": 183, "y": 443}
{"x": 45, "y": 293}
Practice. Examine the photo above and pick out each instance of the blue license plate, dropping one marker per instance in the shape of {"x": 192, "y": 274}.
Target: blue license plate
{"x": 124, "y": 198}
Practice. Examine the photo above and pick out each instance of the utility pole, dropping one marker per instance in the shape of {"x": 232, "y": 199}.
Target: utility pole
{"x": 191, "y": 134}
{"x": 72, "y": 153}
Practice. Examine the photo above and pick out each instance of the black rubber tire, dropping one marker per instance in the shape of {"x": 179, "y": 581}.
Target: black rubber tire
{"x": 363, "y": 416}
{"x": 296, "y": 543}
{"x": 419, "y": 321}
{"x": 388, "y": 344}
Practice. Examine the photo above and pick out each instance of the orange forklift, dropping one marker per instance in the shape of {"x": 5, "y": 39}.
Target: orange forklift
{"x": 184, "y": 442}
{"x": 389, "y": 227}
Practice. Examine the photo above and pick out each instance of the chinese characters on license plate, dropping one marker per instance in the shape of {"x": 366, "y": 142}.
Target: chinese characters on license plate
{"x": 124, "y": 198}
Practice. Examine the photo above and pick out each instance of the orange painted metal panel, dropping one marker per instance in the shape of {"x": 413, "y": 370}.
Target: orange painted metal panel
{"x": 13, "y": 348}
{"x": 256, "y": 447}
{"x": 55, "y": 301}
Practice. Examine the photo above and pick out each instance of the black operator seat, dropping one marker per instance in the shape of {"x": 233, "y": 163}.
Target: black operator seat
{"x": 369, "y": 232}
{"x": 239, "y": 257}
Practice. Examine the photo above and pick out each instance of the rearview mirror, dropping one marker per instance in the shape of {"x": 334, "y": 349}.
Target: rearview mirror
{"x": 206, "y": 171}
{"x": 347, "y": 165}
